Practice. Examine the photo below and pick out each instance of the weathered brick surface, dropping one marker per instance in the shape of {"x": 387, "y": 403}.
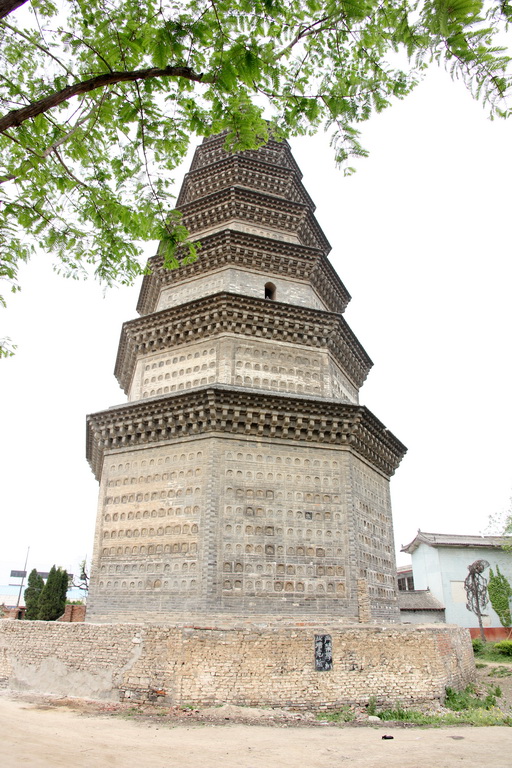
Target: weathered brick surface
{"x": 232, "y": 660}
{"x": 241, "y": 526}
{"x": 243, "y": 476}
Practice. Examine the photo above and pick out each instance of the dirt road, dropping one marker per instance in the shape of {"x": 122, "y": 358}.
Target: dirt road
{"x": 40, "y": 735}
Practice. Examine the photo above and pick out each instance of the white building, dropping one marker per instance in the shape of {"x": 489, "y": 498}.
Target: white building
{"x": 440, "y": 564}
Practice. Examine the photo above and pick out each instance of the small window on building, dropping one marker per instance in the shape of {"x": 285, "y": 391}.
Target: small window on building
{"x": 270, "y": 291}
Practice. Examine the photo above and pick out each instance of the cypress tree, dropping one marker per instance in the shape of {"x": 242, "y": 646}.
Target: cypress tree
{"x": 53, "y": 597}
{"x": 35, "y": 585}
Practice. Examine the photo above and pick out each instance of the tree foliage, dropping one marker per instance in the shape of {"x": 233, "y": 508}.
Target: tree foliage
{"x": 52, "y": 600}
{"x": 99, "y": 101}
{"x": 35, "y": 585}
{"x": 500, "y": 592}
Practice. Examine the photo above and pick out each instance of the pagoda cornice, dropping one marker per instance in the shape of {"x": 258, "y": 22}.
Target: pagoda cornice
{"x": 227, "y": 313}
{"x": 241, "y": 249}
{"x": 242, "y": 413}
{"x": 244, "y": 171}
{"x": 274, "y": 153}
{"x": 257, "y": 209}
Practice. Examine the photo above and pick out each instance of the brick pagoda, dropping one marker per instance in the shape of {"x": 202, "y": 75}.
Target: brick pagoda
{"x": 243, "y": 477}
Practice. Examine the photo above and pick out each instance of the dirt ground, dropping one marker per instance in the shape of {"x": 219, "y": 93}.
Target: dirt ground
{"x": 50, "y": 732}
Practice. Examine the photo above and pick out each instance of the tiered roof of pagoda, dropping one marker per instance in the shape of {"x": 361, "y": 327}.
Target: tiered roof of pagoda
{"x": 220, "y": 313}
{"x": 249, "y": 209}
{"x": 238, "y": 411}
{"x": 235, "y": 248}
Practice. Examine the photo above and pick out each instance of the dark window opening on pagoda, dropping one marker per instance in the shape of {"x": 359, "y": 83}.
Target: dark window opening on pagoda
{"x": 270, "y": 291}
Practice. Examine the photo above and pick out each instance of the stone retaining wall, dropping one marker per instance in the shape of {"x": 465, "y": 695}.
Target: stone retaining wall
{"x": 245, "y": 665}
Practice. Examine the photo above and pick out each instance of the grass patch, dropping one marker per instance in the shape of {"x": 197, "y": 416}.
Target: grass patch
{"x": 468, "y": 708}
{"x": 400, "y": 715}
{"x": 128, "y": 712}
{"x": 498, "y": 671}
{"x": 343, "y": 715}
{"x": 467, "y": 699}
{"x": 491, "y": 652}
{"x": 477, "y": 717}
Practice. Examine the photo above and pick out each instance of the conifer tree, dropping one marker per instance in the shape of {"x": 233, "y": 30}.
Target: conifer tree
{"x": 53, "y": 597}
{"x": 35, "y": 586}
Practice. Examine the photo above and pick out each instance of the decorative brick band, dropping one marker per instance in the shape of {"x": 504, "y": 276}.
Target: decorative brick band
{"x": 255, "y": 207}
{"x": 245, "y": 170}
{"x": 230, "y": 410}
{"x": 222, "y": 313}
{"x": 267, "y": 256}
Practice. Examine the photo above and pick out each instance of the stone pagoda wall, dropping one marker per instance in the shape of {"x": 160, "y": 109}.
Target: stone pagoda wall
{"x": 252, "y": 363}
{"x": 243, "y": 476}
{"x": 242, "y": 526}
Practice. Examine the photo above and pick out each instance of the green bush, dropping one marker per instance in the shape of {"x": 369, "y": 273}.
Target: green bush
{"x": 467, "y": 699}
{"x": 343, "y": 715}
{"x": 504, "y": 647}
{"x": 35, "y": 586}
{"x": 478, "y": 645}
{"x": 500, "y": 593}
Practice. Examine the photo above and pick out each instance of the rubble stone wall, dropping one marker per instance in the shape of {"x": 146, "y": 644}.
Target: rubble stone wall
{"x": 241, "y": 664}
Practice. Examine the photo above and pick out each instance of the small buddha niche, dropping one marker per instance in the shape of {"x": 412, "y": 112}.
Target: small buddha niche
{"x": 270, "y": 291}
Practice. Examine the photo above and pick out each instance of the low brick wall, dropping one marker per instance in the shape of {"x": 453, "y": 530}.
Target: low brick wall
{"x": 247, "y": 665}
{"x": 73, "y": 613}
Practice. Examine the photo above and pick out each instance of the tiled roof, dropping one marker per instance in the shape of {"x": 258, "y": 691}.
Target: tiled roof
{"x": 455, "y": 540}
{"x": 419, "y": 600}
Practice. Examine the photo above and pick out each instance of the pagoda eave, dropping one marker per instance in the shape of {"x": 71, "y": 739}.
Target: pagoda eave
{"x": 257, "y": 208}
{"x": 226, "y": 313}
{"x": 234, "y": 167}
{"x": 208, "y": 411}
{"x": 228, "y": 248}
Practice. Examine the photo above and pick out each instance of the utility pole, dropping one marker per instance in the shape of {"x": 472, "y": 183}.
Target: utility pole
{"x": 21, "y": 574}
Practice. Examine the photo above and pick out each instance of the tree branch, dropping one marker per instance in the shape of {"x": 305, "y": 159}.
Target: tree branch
{"x": 8, "y": 6}
{"x": 46, "y": 51}
{"x": 19, "y": 116}
{"x": 303, "y": 32}
{"x": 43, "y": 155}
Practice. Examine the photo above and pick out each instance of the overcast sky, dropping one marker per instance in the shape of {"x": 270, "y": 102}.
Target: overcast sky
{"x": 420, "y": 236}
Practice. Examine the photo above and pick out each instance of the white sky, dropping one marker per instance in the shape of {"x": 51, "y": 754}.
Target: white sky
{"x": 420, "y": 236}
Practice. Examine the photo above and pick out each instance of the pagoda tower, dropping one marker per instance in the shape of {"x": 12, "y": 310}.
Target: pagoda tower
{"x": 242, "y": 476}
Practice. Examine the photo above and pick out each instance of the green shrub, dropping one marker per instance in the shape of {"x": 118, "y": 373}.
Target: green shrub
{"x": 343, "y": 715}
{"x": 35, "y": 586}
{"x": 500, "y": 593}
{"x": 478, "y": 645}
{"x": 504, "y": 647}
{"x": 467, "y": 699}
{"x": 52, "y": 600}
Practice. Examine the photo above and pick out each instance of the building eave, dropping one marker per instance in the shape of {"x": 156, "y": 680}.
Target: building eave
{"x": 233, "y": 248}
{"x": 236, "y": 411}
{"x": 439, "y": 540}
{"x": 223, "y": 313}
